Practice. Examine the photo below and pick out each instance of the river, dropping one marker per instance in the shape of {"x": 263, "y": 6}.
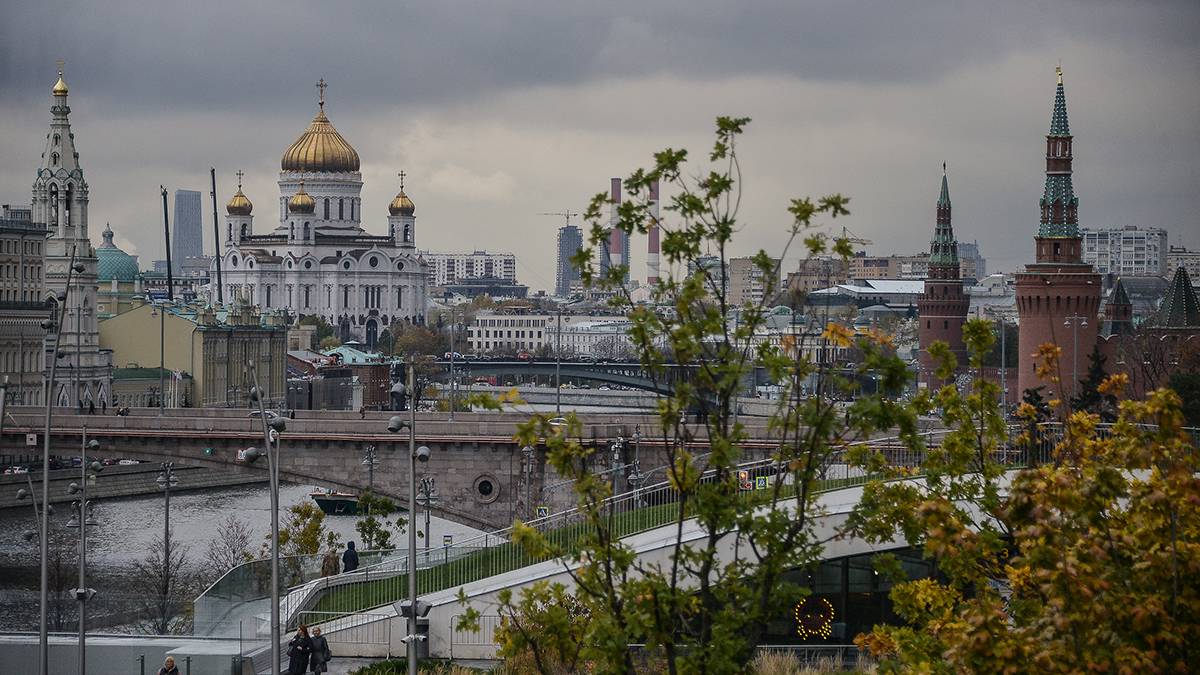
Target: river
{"x": 127, "y": 528}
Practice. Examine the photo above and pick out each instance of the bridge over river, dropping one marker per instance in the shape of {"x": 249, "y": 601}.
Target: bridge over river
{"x": 485, "y": 479}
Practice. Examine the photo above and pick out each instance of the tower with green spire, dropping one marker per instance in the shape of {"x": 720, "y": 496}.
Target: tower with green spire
{"x": 1058, "y": 296}
{"x": 942, "y": 308}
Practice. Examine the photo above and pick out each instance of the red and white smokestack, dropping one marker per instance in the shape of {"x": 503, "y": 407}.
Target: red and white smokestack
{"x": 652, "y": 245}
{"x": 616, "y": 242}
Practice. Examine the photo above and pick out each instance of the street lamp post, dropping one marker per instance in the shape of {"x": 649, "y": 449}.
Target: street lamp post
{"x": 82, "y": 519}
{"x": 427, "y": 496}
{"x": 558, "y": 358}
{"x": 271, "y": 430}
{"x": 166, "y": 480}
{"x": 1075, "y": 322}
{"x": 162, "y": 332}
{"x": 415, "y": 454}
{"x": 44, "y": 591}
{"x": 453, "y": 396}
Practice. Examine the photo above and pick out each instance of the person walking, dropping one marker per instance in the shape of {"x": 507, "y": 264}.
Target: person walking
{"x": 91, "y": 407}
{"x": 299, "y": 651}
{"x": 168, "y": 667}
{"x": 350, "y": 558}
{"x": 103, "y": 406}
{"x": 329, "y": 563}
{"x": 320, "y": 652}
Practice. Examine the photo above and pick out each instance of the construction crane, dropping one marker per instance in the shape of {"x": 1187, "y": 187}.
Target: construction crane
{"x": 568, "y": 214}
{"x": 855, "y": 239}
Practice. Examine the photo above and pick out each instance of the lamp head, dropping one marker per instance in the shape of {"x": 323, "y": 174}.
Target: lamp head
{"x": 254, "y": 394}
{"x": 277, "y": 424}
{"x": 93, "y": 445}
{"x": 22, "y": 494}
{"x": 29, "y": 535}
{"x": 47, "y": 324}
{"x": 250, "y": 455}
{"x": 423, "y": 453}
{"x": 72, "y": 488}
{"x": 78, "y": 267}
{"x": 97, "y": 467}
{"x": 396, "y": 423}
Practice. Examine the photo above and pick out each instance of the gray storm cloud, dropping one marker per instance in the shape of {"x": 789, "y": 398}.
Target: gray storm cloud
{"x": 499, "y": 111}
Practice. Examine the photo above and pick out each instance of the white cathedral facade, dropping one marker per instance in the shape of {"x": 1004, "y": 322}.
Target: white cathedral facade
{"x": 318, "y": 259}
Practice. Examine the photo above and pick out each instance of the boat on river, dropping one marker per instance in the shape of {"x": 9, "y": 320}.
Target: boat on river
{"x": 335, "y": 503}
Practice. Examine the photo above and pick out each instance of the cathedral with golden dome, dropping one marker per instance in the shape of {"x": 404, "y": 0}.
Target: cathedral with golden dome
{"x": 318, "y": 259}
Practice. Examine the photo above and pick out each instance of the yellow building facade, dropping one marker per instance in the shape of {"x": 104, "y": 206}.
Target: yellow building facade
{"x": 214, "y": 348}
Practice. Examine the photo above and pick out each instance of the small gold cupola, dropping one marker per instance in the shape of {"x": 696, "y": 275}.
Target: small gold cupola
{"x": 239, "y": 204}
{"x": 401, "y": 205}
{"x": 302, "y": 202}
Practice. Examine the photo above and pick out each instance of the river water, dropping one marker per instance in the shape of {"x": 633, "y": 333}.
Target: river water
{"x": 127, "y": 528}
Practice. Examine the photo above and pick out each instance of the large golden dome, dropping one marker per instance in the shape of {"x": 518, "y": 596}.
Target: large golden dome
{"x": 320, "y": 148}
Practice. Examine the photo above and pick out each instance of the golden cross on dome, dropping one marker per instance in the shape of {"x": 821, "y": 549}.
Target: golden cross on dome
{"x": 60, "y": 63}
{"x": 321, "y": 87}
{"x": 402, "y": 175}
{"x": 239, "y": 175}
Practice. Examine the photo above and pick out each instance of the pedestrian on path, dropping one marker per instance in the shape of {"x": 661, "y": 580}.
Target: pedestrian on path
{"x": 320, "y": 652}
{"x": 299, "y": 651}
{"x": 168, "y": 667}
{"x": 350, "y": 558}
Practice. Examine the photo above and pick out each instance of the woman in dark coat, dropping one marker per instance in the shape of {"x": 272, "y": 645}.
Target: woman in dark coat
{"x": 320, "y": 653}
{"x": 299, "y": 651}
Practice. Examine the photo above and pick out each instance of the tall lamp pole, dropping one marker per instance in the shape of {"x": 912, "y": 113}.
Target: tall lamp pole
{"x": 166, "y": 480}
{"x": 43, "y": 624}
{"x": 162, "y": 333}
{"x": 1075, "y": 322}
{"x": 453, "y": 397}
{"x": 82, "y": 519}
{"x": 415, "y": 454}
{"x": 271, "y": 429}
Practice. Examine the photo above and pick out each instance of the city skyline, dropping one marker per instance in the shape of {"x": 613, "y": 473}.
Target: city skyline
{"x": 489, "y": 142}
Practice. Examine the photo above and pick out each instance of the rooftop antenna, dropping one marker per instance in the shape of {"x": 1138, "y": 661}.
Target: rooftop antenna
{"x": 568, "y": 214}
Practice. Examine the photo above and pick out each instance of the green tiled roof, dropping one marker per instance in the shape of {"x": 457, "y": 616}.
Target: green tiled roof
{"x": 1058, "y": 119}
{"x": 1179, "y": 306}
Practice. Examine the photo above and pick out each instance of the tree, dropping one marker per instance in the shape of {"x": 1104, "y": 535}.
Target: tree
{"x": 164, "y": 584}
{"x": 1090, "y": 398}
{"x": 303, "y": 532}
{"x": 703, "y": 611}
{"x": 373, "y": 526}
{"x": 385, "y": 342}
{"x": 1011, "y": 349}
{"x": 324, "y": 329}
{"x": 419, "y": 341}
{"x": 1074, "y": 564}
{"x": 329, "y": 342}
{"x": 230, "y": 548}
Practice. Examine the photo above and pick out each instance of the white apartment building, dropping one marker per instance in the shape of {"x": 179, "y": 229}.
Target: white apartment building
{"x": 450, "y": 268}
{"x": 581, "y": 335}
{"x": 1129, "y": 251}
{"x": 1178, "y": 256}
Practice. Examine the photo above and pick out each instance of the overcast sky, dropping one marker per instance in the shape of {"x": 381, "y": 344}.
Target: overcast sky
{"x": 501, "y": 110}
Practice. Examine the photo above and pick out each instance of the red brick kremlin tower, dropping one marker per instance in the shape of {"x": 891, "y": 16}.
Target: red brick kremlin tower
{"x": 1058, "y": 297}
{"x": 942, "y": 308}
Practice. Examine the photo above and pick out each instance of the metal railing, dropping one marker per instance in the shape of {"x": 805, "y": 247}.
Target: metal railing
{"x": 484, "y": 637}
{"x": 356, "y": 629}
{"x": 633, "y": 512}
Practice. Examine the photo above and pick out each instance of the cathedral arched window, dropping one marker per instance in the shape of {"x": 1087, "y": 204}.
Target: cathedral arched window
{"x": 327, "y": 208}
{"x": 341, "y": 209}
{"x": 243, "y": 233}
{"x": 54, "y": 159}
{"x": 291, "y": 230}
{"x": 67, "y": 213}
{"x": 305, "y": 231}
{"x": 407, "y": 232}
{"x": 352, "y": 208}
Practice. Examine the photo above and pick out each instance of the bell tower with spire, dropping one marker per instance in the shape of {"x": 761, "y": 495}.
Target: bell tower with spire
{"x": 1058, "y": 297}
{"x": 60, "y": 203}
{"x": 942, "y": 308}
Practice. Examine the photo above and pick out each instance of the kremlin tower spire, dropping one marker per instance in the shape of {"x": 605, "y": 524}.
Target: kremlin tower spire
{"x": 942, "y": 308}
{"x": 1058, "y": 297}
